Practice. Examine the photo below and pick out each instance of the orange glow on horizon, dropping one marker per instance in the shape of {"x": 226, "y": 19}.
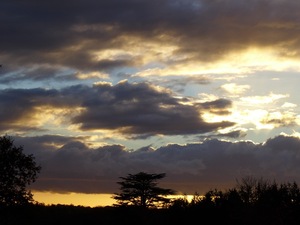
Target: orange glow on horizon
{"x": 81, "y": 199}
{"x": 76, "y": 199}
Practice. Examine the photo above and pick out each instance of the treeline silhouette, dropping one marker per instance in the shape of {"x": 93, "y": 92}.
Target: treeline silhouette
{"x": 251, "y": 202}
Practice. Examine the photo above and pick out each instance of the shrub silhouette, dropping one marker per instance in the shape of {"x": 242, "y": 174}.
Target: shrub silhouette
{"x": 270, "y": 204}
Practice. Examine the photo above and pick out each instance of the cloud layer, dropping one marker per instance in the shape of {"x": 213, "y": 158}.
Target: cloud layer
{"x": 135, "y": 109}
{"x": 68, "y": 165}
{"x": 77, "y": 35}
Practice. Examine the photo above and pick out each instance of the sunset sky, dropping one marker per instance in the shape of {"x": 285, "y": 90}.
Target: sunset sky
{"x": 206, "y": 91}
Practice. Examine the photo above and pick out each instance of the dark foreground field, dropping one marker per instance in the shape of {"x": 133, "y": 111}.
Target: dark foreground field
{"x": 62, "y": 214}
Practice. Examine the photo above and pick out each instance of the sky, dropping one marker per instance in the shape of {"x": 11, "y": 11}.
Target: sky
{"x": 206, "y": 91}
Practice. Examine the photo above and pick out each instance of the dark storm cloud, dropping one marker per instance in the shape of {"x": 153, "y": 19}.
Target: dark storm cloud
{"x": 141, "y": 109}
{"x": 132, "y": 109}
{"x": 190, "y": 168}
{"x": 67, "y": 33}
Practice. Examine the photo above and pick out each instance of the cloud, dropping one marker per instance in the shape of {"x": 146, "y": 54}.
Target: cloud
{"x": 25, "y": 109}
{"x": 180, "y": 82}
{"x": 141, "y": 109}
{"x": 131, "y": 109}
{"x": 235, "y": 89}
{"x": 230, "y": 134}
{"x": 219, "y": 106}
{"x": 280, "y": 119}
{"x": 190, "y": 168}
{"x": 258, "y": 100}
{"x": 198, "y": 30}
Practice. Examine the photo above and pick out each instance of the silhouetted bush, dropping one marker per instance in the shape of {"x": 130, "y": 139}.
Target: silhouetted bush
{"x": 252, "y": 201}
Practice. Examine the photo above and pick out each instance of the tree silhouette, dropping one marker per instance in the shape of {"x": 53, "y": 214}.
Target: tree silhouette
{"x": 17, "y": 171}
{"x": 141, "y": 190}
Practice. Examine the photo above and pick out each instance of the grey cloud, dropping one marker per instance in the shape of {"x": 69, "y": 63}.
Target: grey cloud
{"x": 132, "y": 109}
{"x": 20, "y": 105}
{"x": 190, "y": 168}
{"x": 67, "y": 34}
{"x": 180, "y": 83}
{"x": 283, "y": 122}
{"x": 16, "y": 104}
{"x": 140, "y": 109}
{"x": 283, "y": 143}
{"x": 41, "y": 73}
{"x": 219, "y": 106}
{"x": 233, "y": 134}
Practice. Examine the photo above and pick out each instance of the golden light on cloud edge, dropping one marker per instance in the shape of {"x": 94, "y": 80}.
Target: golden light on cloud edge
{"x": 96, "y": 75}
{"x": 234, "y": 89}
{"x": 238, "y": 63}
